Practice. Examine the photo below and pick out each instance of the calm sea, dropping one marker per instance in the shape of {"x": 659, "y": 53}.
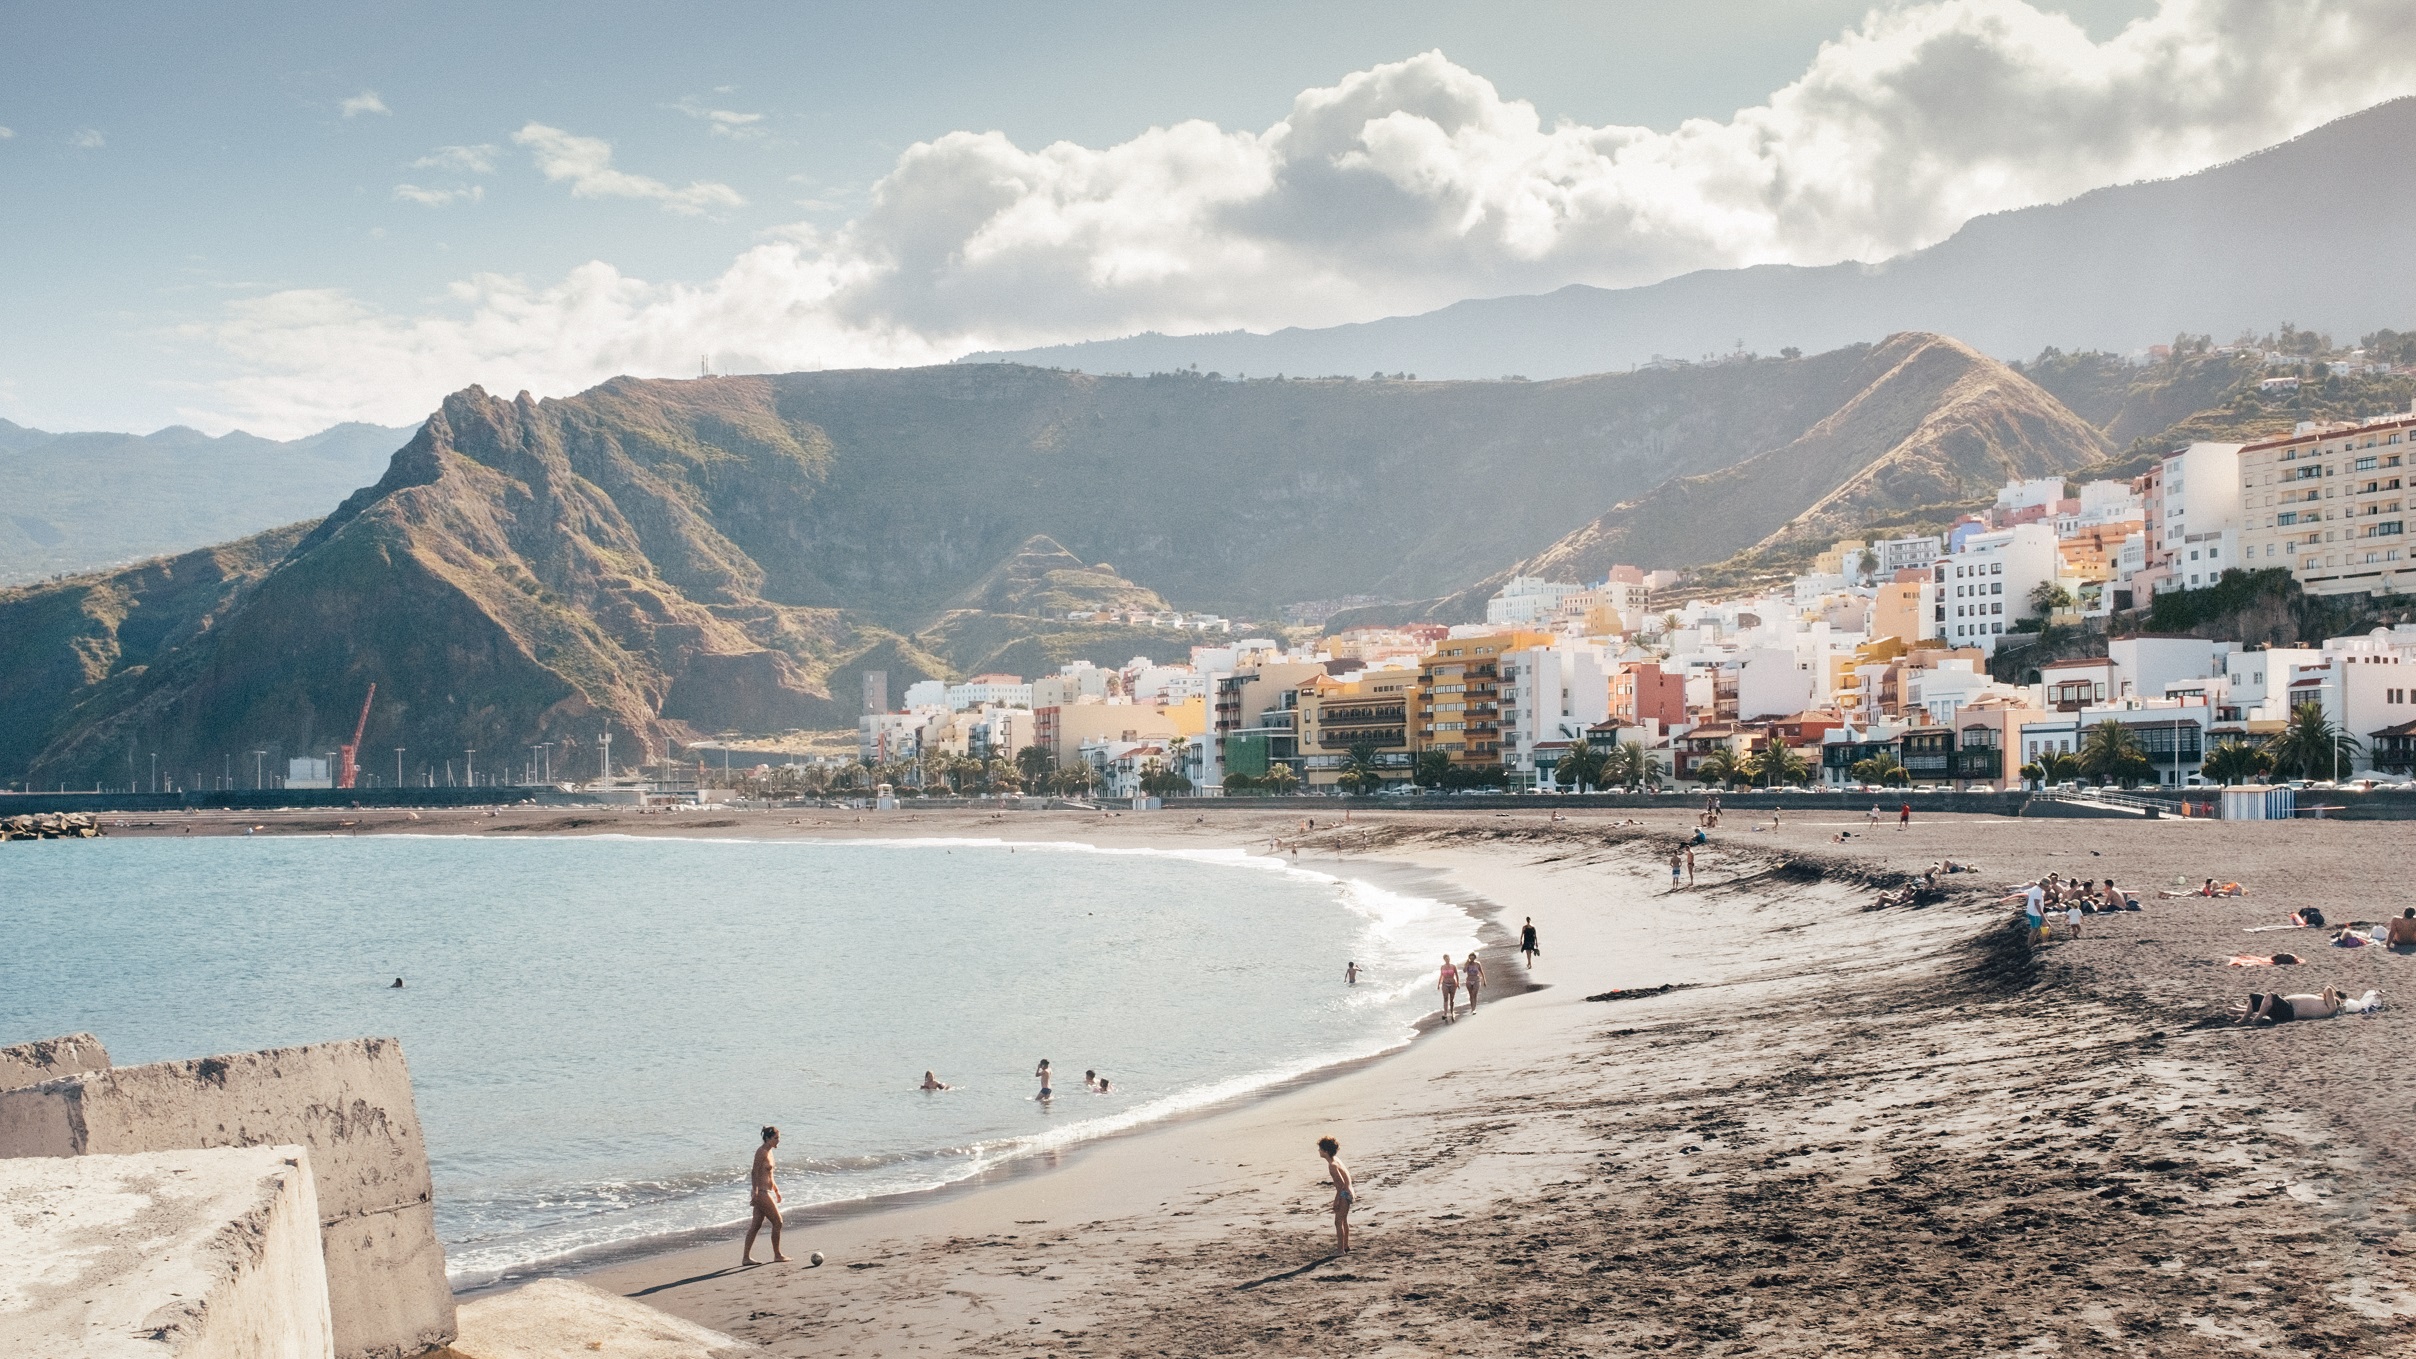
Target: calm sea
{"x": 597, "y": 1027}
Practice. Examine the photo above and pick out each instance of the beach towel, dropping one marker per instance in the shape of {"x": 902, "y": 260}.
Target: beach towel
{"x": 2366, "y": 1004}
{"x": 2249, "y": 960}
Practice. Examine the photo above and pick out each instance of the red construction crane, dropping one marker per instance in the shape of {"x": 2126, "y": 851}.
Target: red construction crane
{"x": 348, "y": 765}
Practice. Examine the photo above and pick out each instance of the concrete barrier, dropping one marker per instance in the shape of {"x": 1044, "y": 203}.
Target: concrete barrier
{"x": 47, "y": 1060}
{"x": 349, "y": 1103}
{"x": 560, "y": 1318}
{"x": 174, "y": 1254}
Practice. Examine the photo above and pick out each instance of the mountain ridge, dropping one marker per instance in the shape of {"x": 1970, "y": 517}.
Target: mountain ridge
{"x": 2117, "y": 268}
{"x": 662, "y": 559}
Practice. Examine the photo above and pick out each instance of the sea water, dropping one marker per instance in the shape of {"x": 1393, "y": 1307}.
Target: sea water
{"x": 597, "y": 1027}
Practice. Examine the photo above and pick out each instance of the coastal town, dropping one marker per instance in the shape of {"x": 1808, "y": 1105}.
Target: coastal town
{"x": 1883, "y": 664}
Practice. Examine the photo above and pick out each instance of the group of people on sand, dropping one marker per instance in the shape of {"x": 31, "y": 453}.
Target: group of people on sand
{"x": 2070, "y": 897}
{"x": 1468, "y": 976}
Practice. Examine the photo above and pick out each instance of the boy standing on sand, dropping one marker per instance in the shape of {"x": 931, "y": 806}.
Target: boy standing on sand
{"x": 1340, "y": 1175}
{"x": 764, "y": 1198}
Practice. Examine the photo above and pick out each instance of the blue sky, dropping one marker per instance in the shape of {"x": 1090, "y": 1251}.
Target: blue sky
{"x": 281, "y": 215}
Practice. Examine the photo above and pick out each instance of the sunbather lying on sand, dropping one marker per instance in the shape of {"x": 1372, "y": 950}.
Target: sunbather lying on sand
{"x": 2282, "y": 1009}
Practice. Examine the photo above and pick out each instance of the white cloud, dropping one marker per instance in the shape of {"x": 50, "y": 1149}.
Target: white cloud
{"x": 1396, "y": 189}
{"x": 437, "y": 198}
{"x": 6, "y": 133}
{"x": 469, "y": 160}
{"x": 724, "y": 122}
{"x": 87, "y": 139}
{"x": 366, "y": 101}
{"x": 586, "y": 164}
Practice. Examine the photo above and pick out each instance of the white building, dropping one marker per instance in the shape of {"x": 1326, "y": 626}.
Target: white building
{"x": 1907, "y": 554}
{"x": 1771, "y": 683}
{"x": 1550, "y": 695}
{"x": 1527, "y": 600}
{"x": 2040, "y": 493}
{"x": 2173, "y": 734}
{"x": 1071, "y": 684}
{"x": 2198, "y": 493}
{"x": 307, "y": 773}
{"x": 1985, "y": 588}
{"x": 988, "y": 691}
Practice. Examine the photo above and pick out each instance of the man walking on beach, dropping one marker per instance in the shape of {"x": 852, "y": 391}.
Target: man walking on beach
{"x": 1526, "y": 941}
{"x": 764, "y": 1198}
{"x": 1904, "y": 816}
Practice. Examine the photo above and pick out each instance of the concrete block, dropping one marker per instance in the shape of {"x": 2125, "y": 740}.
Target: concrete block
{"x": 173, "y": 1254}
{"x": 562, "y": 1318}
{"x": 349, "y": 1103}
{"x": 47, "y": 1060}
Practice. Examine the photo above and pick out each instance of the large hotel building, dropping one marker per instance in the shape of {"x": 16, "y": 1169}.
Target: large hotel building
{"x": 2329, "y": 502}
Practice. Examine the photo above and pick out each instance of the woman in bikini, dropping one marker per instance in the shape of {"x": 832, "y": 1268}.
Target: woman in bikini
{"x": 1472, "y": 975}
{"x": 1340, "y": 1174}
{"x": 1448, "y": 982}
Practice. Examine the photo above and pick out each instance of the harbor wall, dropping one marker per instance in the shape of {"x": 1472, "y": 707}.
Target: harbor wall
{"x": 349, "y": 1103}
{"x": 194, "y": 1254}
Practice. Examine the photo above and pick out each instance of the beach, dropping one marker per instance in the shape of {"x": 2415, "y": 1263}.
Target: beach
{"x": 1844, "y": 1129}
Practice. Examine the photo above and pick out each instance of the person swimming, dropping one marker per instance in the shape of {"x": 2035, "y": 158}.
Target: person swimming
{"x": 931, "y": 1082}
{"x": 398, "y": 985}
{"x": 1090, "y": 1081}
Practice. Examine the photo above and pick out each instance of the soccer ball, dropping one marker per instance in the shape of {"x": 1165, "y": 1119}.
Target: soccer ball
{"x": 815, "y": 1258}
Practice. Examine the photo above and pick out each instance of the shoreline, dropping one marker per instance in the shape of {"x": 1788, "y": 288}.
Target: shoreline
{"x": 1403, "y": 879}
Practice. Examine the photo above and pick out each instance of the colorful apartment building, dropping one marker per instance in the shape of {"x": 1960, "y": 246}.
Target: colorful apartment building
{"x": 1370, "y": 708}
{"x": 1458, "y": 708}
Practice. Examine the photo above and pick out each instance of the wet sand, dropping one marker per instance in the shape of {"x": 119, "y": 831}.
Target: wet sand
{"x": 1846, "y": 1130}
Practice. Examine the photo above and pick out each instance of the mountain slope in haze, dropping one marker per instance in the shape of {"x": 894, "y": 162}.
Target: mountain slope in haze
{"x": 1938, "y": 423}
{"x": 2315, "y": 230}
{"x": 661, "y": 559}
{"x": 80, "y": 501}
{"x": 1934, "y": 423}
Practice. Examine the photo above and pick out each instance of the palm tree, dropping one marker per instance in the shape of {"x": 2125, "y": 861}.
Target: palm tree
{"x": 1035, "y": 762}
{"x": 1279, "y": 778}
{"x": 1883, "y": 769}
{"x": 2311, "y": 747}
{"x": 2112, "y": 753}
{"x": 1158, "y": 779}
{"x": 1775, "y": 764}
{"x": 2237, "y": 762}
{"x": 1629, "y": 765}
{"x": 1362, "y": 771}
{"x": 1432, "y": 769}
{"x": 1583, "y": 765}
{"x": 1721, "y": 766}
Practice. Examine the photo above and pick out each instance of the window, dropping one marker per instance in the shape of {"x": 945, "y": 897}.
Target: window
{"x": 2367, "y": 464}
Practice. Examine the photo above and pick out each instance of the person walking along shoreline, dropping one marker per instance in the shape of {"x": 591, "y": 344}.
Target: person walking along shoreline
{"x": 763, "y": 1199}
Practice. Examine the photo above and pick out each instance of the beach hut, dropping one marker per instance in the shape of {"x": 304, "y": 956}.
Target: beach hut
{"x": 2259, "y": 802}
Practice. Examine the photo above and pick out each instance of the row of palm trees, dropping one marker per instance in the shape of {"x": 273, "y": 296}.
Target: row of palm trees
{"x": 2310, "y": 747}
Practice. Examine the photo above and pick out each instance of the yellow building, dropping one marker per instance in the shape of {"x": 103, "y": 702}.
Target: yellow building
{"x": 1458, "y": 707}
{"x": 1371, "y": 707}
{"x": 2330, "y": 504}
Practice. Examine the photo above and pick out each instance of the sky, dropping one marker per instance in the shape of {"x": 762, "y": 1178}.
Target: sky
{"x": 280, "y": 216}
